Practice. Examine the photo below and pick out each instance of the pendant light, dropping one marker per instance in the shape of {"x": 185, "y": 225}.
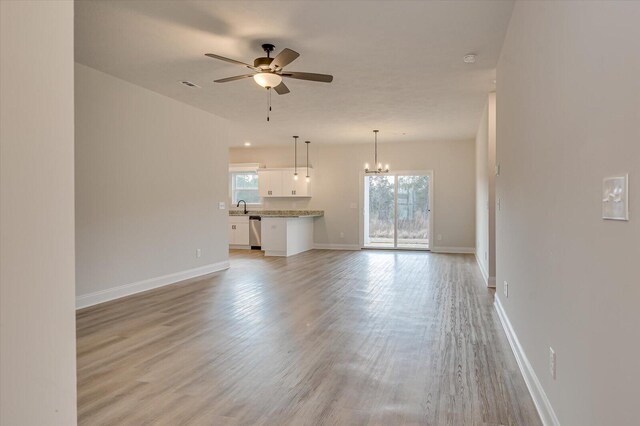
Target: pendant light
{"x": 377, "y": 166}
{"x": 307, "y": 143}
{"x": 295, "y": 157}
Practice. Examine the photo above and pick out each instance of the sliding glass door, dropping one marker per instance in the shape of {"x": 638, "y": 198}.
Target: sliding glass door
{"x": 397, "y": 210}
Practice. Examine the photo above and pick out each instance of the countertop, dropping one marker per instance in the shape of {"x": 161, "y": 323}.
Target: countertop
{"x": 278, "y": 213}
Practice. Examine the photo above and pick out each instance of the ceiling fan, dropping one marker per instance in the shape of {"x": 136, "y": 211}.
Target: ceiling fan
{"x": 269, "y": 71}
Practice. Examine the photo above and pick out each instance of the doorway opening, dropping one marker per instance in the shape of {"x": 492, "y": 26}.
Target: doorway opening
{"x": 397, "y": 211}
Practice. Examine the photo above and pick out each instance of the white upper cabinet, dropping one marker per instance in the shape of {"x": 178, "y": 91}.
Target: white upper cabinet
{"x": 280, "y": 183}
{"x": 270, "y": 183}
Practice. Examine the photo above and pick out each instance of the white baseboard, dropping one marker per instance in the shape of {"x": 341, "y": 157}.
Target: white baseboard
{"x": 488, "y": 281}
{"x": 459, "y": 250}
{"x": 113, "y": 293}
{"x": 485, "y": 276}
{"x": 336, "y": 246}
{"x": 545, "y": 410}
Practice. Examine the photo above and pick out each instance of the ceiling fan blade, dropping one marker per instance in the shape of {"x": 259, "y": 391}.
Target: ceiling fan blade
{"x": 233, "y": 61}
{"x": 284, "y": 58}
{"x": 324, "y": 78}
{"x": 237, "y": 77}
{"x": 281, "y": 89}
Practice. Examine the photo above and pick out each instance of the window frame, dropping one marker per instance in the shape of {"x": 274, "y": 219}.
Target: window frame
{"x": 235, "y": 169}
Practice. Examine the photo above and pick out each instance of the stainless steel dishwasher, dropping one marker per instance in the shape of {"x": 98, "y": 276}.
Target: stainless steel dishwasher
{"x": 255, "y": 231}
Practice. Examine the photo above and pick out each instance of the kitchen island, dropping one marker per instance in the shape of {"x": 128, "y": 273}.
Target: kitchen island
{"x": 284, "y": 232}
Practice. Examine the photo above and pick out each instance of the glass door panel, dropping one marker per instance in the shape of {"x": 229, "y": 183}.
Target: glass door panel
{"x": 397, "y": 211}
{"x": 413, "y": 212}
{"x": 379, "y": 220}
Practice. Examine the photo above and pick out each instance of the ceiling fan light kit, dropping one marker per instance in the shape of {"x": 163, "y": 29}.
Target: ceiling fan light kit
{"x": 267, "y": 79}
{"x": 268, "y": 71}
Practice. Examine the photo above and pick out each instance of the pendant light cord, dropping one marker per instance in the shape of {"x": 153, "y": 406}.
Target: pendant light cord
{"x": 376, "y": 148}
{"x": 295, "y": 156}
{"x": 307, "y": 143}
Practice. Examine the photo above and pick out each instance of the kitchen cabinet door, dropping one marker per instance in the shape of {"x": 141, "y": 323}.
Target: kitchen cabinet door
{"x": 241, "y": 236}
{"x": 270, "y": 183}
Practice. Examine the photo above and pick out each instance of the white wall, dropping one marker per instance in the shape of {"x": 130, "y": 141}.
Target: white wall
{"x": 336, "y": 184}
{"x": 149, "y": 174}
{"x": 37, "y": 315}
{"x": 568, "y": 99}
{"x": 485, "y": 191}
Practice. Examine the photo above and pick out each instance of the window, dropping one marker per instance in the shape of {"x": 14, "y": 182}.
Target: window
{"x": 244, "y": 186}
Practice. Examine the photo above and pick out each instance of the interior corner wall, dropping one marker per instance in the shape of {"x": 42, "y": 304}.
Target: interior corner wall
{"x": 336, "y": 171}
{"x": 150, "y": 172}
{"x": 37, "y": 315}
{"x": 491, "y": 169}
{"x": 568, "y": 108}
{"x": 482, "y": 194}
{"x": 485, "y": 191}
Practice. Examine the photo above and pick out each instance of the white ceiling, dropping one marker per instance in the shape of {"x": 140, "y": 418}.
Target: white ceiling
{"x": 397, "y": 65}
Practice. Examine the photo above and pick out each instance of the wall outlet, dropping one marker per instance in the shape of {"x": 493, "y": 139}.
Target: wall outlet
{"x": 552, "y": 362}
{"x": 506, "y": 289}
{"x": 222, "y": 205}
{"x": 439, "y": 237}
{"x": 198, "y": 253}
{"x": 342, "y": 235}
{"x": 498, "y": 169}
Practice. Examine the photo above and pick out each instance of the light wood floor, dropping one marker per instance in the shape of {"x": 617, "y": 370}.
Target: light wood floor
{"x": 324, "y": 337}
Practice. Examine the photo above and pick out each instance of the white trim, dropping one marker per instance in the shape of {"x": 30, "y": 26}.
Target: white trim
{"x": 483, "y": 271}
{"x": 460, "y": 250}
{"x": 317, "y": 246}
{"x": 239, "y": 247}
{"x": 489, "y": 281}
{"x": 244, "y": 167}
{"x": 545, "y": 410}
{"x": 128, "y": 289}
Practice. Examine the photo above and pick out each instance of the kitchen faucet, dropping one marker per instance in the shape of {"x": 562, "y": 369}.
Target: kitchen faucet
{"x": 245, "y": 205}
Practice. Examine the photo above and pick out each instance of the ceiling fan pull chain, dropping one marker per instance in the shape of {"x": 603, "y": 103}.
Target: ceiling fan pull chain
{"x": 268, "y": 102}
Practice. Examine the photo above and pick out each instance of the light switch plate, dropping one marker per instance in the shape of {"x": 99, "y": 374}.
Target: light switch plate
{"x": 222, "y": 205}
{"x": 615, "y": 197}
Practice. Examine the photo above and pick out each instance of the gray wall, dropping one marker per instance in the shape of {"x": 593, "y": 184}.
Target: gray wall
{"x": 37, "y": 314}
{"x": 568, "y": 99}
{"x": 150, "y": 172}
{"x": 336, "y": 184}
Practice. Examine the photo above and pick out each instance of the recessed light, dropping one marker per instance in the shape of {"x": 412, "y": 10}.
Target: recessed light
{"x": 247, "y": 144}
{"x": 190, "y": 84}
{"x": 469, "y": 58}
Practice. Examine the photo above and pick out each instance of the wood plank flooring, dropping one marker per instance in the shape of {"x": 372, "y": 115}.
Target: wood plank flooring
{"x": 321, "y": 338}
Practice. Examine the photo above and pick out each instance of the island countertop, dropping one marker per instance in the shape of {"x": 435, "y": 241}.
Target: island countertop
{"x": 278, "y": 213}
